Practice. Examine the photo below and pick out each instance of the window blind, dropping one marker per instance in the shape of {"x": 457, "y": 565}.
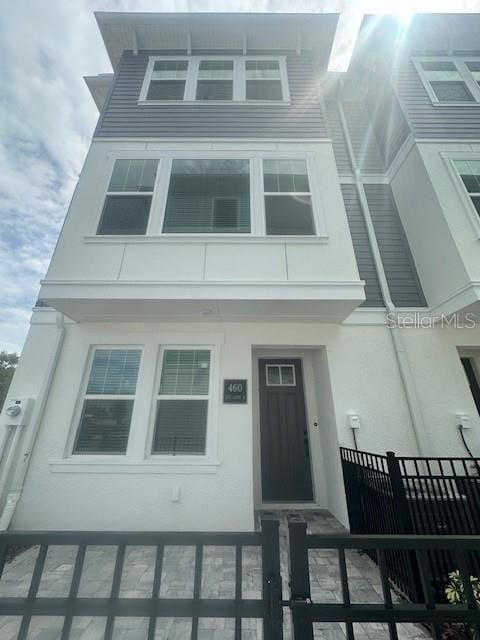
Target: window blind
{"x": 195, "y": 186}
{"x": 181, "y": 418}
{"x": 105, "y": 421}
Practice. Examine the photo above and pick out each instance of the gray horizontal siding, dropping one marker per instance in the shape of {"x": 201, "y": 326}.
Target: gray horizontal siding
{"x": 389, "y": 123}
{"x": 362, "y": 135}
{"x": 400, "y": 270}
{"x": 335, "y": 132}
{"x": 123, "y": 117}
{"x": 428, "y": 121}
{"x": 361, "y": 246}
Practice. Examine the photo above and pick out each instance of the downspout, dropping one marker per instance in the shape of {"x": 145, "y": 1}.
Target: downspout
{"x": 21, "y": 458}
{"x": 416, "y": 415}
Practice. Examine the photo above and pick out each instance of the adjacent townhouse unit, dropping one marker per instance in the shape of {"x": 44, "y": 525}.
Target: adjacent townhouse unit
{"x": 263, "y": 260}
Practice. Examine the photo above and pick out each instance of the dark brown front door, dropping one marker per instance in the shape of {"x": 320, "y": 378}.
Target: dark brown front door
{"x": 285, "y": 457}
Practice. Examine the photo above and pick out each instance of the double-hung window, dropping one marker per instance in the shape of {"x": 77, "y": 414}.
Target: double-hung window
{"x": 208, "y": 196}
{"x": 288, "y": 201}
{"x": 215, "y": 80}
{"x": 183, "y": 403}
{"x": 469, "y": 172}
{"x": 129, "y": 197}
{"x": 168, "y": 80}
{"x": 263, "y": 80}
{"x": 108, "y": 402}
{"x": 450, "y": 80}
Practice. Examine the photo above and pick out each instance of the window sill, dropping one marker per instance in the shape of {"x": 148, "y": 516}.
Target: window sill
{"x": 473, "y": 103}
{"x": 205, "y": 238}
{"x": 213, "y": 102}
{"x": 174, "y": 465}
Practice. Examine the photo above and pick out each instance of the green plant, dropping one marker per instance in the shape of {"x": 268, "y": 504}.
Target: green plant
{"x": 455, "y": 591}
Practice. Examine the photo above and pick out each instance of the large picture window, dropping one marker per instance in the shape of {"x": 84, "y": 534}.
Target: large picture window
{"x": 288, "y": 202}
{"x": 129, "y": 197}
{"x": 182, "y": 405}
{"x": 208, "y": 196}
{"x": 108, "y": 402}
{"x": 450, "y": 80}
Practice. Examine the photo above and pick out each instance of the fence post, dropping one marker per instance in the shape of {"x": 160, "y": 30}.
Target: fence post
{"x": 405, "y": 522}
{"x": 399, "y": 495}
{"x": 271, "y": 581}
{"x": 299, "y": 580}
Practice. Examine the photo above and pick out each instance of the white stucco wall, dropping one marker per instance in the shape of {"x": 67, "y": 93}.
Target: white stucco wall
{"x": 354, "y": 371}
{"x": 82, "y": 258}
{"x": 440, "y": 225}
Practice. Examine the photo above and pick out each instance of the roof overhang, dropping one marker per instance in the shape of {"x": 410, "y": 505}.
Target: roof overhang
{"x": 223, "y": 31}
{"x": 99, "y": 87}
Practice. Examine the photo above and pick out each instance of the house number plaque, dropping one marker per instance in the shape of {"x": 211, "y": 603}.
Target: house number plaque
{"x": 235, "y": 391}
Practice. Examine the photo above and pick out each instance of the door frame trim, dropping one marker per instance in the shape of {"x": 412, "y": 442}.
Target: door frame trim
{"x": 304, "y": 354}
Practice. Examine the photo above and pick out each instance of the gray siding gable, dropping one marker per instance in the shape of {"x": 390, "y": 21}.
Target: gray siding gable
{"x": 122, "y": 117}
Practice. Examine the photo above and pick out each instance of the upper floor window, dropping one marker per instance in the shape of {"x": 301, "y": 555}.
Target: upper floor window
{"x": 263, "y": 80}
{"x": 167, "y": 80}
{"x": 129, "y": 197}
{"x": 288, "y": 203}
{"x": 450, "y": 80}
{"x": 262, "y": 192}
{"x": 469, "y": 172}
{"x": 215, "y": 79}
{"x": 208, "y": 196}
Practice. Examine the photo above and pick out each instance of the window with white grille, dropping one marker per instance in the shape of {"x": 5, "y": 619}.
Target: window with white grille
{"x": 108, "y": 402}
{"x": 182, "y": 404}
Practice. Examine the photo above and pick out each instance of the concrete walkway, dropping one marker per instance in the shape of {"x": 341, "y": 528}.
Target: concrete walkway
{"x": 218, "y": 581}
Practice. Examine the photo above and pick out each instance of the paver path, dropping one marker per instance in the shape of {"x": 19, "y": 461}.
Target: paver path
{"x": 218, "y": 581}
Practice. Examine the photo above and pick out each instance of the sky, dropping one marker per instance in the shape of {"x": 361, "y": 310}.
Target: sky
{"x": 47, "y": 118}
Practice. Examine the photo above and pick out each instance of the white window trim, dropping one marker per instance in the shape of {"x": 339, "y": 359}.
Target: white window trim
{"x": 213, "y": 399}
{"x": 82, "y": 396}
{"x": 466, "y": 76}
{"x": 449, "y": 159}
{"x": 230, "y": 151}
{"x": 239, "y": 80}
{"x": 135, "y": 155}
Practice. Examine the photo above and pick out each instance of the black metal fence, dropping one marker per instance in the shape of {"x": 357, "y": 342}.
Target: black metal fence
{"x": 305, "y": 612}
{"x": 155, "y": 606}
{"x": 419, "y": 496}
{"x": 269, "y": 606}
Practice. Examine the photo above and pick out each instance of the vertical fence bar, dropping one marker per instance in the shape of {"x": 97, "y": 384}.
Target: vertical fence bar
{"x": 77, "y": 574}
{"x": 197, "y": 586}
{"x": 238, "y": 588}
{"x": 157, "y": 579}
{"x": 32, "y": 592}
{"x": 272, "y": 581}
{"x": 345, "y": 590}
{"x": 117, "y": 576}
{"x": 299, "y": 580}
